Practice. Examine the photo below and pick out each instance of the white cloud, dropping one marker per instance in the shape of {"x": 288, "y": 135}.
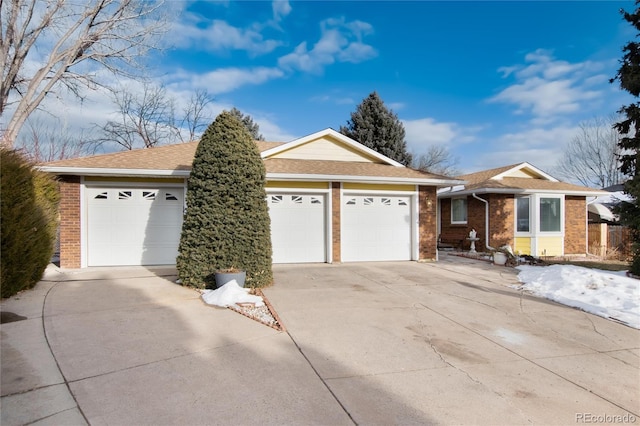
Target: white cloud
{"x": 219, "y": 35}
{"x": 549, "y": 88}
{"x": 425, "y": 132}
{"x": 541, "y": 147}
{"x": 341, "y": 41}
{"x": 281, "y": 8}
{"x": 225, "y": 80}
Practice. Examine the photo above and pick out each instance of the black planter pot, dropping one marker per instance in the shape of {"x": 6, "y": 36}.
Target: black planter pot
{"x": 222, "y": 278}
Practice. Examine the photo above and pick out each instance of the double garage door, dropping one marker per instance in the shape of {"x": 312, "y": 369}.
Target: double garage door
{"x": 141, "y": 226}
{"x": 372, "y": 228}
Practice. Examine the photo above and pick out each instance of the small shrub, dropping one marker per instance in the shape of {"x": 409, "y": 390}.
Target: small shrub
{"x": 29, "y": 210}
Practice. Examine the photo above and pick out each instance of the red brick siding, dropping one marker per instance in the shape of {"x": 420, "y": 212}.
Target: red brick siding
{"x": 501, "y": 219}
{"x": 70, "y": 244}
{"x": 428, "y": 227}
{"x": 335, "y": 221}
{"x": 575, "y": 225}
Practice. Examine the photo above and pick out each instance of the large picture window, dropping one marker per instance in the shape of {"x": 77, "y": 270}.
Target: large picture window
{"x": 550, "y": 215}
{"x": 458, "y": 210}
{"x": 523, "y": 214}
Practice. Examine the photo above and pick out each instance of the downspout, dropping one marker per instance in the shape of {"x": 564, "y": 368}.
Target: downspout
{"x": 486, "y": 221}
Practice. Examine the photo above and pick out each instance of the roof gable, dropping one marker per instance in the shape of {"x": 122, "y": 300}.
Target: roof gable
{"x": 328, "y": 145}
{"x": 514, "y": 179}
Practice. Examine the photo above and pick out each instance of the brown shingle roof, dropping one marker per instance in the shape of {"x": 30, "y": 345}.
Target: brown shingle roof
{"x": 484, "y": 175}
{"x": 180, "y": 158}
{"x": 343, "y": 168}
{"x": 167, "y": 157}
{"x": 482, "y": 180}
{"x": 528, "y": 184}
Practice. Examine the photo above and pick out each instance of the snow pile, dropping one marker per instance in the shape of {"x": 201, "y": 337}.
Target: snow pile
{"x": 604, "y": 293}
{"x": 230, "y": 294}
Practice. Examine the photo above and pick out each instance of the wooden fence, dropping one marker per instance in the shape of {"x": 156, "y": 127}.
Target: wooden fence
{"x": 610, "y": 241}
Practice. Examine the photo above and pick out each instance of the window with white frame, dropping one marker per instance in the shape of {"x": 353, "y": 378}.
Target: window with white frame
{"x": 523, "y": 214}
{"x": 459, "y": 210}
{"x": 550, "y": 214}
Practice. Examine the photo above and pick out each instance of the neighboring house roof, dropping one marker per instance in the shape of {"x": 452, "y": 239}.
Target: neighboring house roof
{"x": 515, "y": 178}
{"x": 321, "y": 156}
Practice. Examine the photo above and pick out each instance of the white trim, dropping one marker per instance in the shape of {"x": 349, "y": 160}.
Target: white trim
{"x": 378, "y": 192}
{"x": 342, "y": 138}
{"x": 105, "y": 183}
{"x": 466, "y": 205}
{"x": 298, "y": 190}
{"x": 414, "y": 199}
{"x": 539, "y": 231}
{"x": 415, "y": 231}
{"x": 360, "y": 179}
{"x": 328, "y": 213}
{"x": 95, "y": 171}
{"x": 525, "y": 165}
{"x": 84, "y": 255}
{"x": 514, "y": 191}
{"x": 529, "y": 233}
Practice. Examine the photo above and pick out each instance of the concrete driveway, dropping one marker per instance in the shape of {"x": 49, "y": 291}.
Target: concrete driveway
{"x": 375, "y": 343}
{"x": 450, "y": 343}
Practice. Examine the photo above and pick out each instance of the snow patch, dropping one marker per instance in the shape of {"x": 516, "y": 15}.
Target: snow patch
{"x": 230, "y": 294}
{"x": 604, "y": 293}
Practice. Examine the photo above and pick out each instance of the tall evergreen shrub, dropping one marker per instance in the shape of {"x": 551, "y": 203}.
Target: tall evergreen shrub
{"x": 29, "y": 211}
{"x": 226, "y": 223}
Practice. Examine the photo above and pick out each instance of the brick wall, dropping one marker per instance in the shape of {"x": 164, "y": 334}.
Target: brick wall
{"x": 335, "y": 221}
{"x": 70, "y": 222}
{"x": 427, "y": 205}
{"x": 575, "y": 225}
{"x": 501, "y": 220}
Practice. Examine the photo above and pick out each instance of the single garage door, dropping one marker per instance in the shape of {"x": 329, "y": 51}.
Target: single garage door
{"x": 376, "y": 228}
{"x": 298, "y": 227}
{"x": 133, "y": 226}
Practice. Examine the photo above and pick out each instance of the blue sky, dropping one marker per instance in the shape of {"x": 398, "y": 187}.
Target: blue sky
{"x": 496, "y": 82}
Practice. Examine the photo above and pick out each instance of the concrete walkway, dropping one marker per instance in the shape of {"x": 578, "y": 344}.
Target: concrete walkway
{"x": 367, "y": 343}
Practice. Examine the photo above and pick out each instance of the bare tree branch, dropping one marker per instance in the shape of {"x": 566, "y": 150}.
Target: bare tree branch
{"x": 437, "y": 160}
{"x": 78, "y": 39}
{"x": 592, "y": 156}
{"x": 145, "y": 120}
{"x": 195, "y": 119}
{"x": 43, "y": 142}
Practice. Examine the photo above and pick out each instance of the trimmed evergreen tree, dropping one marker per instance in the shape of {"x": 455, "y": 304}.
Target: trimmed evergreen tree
{"x": 377, "y": 127}
{"x": 247, "y": 120}
{"x": 629, "y": 77}
{"x": 29, "y": 219}
{"x": 226, "y": 223}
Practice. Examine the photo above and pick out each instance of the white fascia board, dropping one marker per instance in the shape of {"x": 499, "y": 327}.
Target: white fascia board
{"x": 92, "y": 171}
{"x": 448, "y": 194}
{"x": 528, "y": 166}
{"x": 330, "y": 132}
{"x": 360, "y": 179}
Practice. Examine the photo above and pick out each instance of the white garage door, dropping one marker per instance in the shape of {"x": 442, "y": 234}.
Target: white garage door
{"x": 376, "y": 228}
{"x": 133, "y": 226}
{"x": 298, "y": 230}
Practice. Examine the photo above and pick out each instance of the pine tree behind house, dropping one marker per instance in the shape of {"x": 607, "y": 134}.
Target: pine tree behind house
{"x": 226, "y": 223}
{"x": 377, "y": 127}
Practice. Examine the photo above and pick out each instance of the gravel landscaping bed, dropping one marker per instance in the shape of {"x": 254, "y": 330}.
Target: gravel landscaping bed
{"x": 263, "y": 314}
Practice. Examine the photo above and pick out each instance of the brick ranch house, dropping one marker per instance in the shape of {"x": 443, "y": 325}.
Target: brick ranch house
{"x": 519, "y": 205}
{"x": 330, "y": 199}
